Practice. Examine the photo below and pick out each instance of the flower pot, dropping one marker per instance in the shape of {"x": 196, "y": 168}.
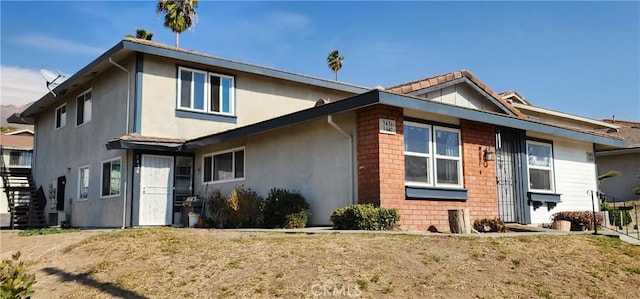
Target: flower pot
{"x": 561, "y": 225}
{"x": 193, "y": 219}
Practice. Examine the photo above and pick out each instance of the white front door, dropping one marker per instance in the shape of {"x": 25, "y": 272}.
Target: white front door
{"x": 156, "y": 190}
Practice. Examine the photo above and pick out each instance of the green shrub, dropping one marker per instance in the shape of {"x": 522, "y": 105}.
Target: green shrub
{"x": 577, "y": 217}
{"x": 495, "y": 225}
{"x": 46, "y": 231}
{"x": 15, "y": 282}
{"x": 365, "y": 217}
{"x": 285, "y": 209}
{"x": 242, "y": 208}
{"x": 217, "y": 205}
{"x": 614, "y": 216}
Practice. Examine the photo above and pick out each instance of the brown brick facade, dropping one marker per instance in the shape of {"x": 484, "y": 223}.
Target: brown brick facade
{"x": 381, "y": 171}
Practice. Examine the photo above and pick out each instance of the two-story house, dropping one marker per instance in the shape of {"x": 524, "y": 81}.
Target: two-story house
{"x": 145, "y": 125}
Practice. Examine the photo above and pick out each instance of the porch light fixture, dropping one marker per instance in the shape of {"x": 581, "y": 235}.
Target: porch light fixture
{"x": 488, "y": 155}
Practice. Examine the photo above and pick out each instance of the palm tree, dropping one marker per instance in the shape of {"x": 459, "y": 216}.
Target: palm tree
{"x": 606, "y": 175}
{"x": 142, "y": 34}
{"x": 334, "y": 60}
{"x": 179, "y": 15}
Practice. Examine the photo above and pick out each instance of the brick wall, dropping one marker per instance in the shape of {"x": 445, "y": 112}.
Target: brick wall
{"x": 380, "y": 156}
{"x": 381, "y": 172}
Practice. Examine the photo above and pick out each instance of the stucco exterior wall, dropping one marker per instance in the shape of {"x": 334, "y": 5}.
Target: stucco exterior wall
{"x": 60, "y": 152}
{"x": 257, "y": 98}
{"x": 620, "y": 187}
{"x": 574, "y": 176}
{"x": 312, "y": 158}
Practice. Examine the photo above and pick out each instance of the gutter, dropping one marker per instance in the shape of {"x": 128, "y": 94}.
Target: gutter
{"x": 124, "y": 197}
{"x": 351, "y": 166}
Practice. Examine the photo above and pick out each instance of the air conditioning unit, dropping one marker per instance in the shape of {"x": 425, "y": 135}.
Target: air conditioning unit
{"x": 56, "y": 218}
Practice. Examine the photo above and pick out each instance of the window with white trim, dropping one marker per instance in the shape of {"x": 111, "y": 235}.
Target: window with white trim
{"x": 61, "y": 116}
{"x": 20, "y": 158}
{"x": 83, "y": 182}
{"x": 205, "y": 92}
{"x": 83, "y": 108}
{"x": 111, "y": 178}
{"x": 540, "y": 162}
{"x": 223, "y": 166}
{"x": 432, "y": 155}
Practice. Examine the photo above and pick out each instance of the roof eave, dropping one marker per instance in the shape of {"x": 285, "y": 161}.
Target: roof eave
{"x": 393, "y": 99}
{"x": 48, "y": 98}
{"x": 621, "y": 151}
{"x": 358, "y": 101}
{"x": 243, "y": 67}
{"x": 17, "y": 118}
{"x": 141, "y": 145}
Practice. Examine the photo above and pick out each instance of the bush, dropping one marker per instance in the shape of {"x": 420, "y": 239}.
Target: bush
{"x": 242, "y": 208}
{"x": 495, "y": 225}
{"x": 15, "y": 282}
{"x": 365, "y": 217}
{"x": 614, "y": 216}
{"x": 285, "y": 209}
{"x": 577, "y": 217}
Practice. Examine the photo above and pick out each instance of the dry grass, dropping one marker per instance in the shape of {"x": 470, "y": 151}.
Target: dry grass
{"x": 191, "y": 263}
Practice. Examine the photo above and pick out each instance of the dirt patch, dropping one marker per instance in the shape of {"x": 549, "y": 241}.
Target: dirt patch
{"x": 192, "y": 263}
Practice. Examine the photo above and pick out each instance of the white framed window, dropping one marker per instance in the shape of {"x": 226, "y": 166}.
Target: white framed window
{"x": 83, "y": 108}
{"x": 540, "y": 166}
{"x": 205, "y": 92}
{"x": 20, "y": 158}
{"x": 110, "y": 179}
{"x": 448, "y": 150}
{"x": 61, "y": 116}
{"x": 432, "y": 155}
{"x": 83, "y": 182}
{"x": 223, "y": 166}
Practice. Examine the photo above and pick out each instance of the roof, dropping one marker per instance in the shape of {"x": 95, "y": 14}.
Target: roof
{"x": 410, "y": 88}
{"x": 16, "y": 141}
{"x": 23, "y": 132}
{"x": 514, "y": 94}
{"x": 405, "y": 101}
{"x": 130, "y": 45}
{"x": 582, "y": 119}
{"x": 628, "y": 130}
{"x": 135, "y": 141}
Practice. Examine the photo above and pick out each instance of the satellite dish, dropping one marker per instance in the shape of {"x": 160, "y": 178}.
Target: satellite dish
{"x": 52, "y": 79}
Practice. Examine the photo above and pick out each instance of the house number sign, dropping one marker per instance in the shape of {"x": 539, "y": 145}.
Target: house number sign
{"x": 387, "y": 126}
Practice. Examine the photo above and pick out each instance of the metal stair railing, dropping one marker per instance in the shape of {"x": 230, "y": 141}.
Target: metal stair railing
{"x": 21, "y": 197}
{"x": 622, "y": 208}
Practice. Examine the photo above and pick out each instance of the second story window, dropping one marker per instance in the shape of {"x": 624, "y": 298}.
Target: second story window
{"x": 83, "y": 108}
{"x": 61, "y": 116}
{"x": 205, "y": 92}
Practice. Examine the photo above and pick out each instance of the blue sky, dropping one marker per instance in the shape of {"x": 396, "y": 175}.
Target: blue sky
{"x": 577, "y": 57}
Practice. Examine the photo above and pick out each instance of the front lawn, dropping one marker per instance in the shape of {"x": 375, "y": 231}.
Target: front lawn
{"x": 194, "y": 263}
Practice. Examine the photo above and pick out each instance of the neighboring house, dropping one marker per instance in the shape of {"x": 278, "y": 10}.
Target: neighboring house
{"x": 17, "y": 150}
{"x": 625, "y": 160}
{"x": 146, "y": 125}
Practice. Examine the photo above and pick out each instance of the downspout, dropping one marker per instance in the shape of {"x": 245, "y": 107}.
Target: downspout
{"x": 126, "y": 158}
{"x": 351, "y": 173}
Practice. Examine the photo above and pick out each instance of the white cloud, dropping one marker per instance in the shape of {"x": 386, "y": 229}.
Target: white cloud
{"x": 19, "y": 86}
{"x": 59, "y": 45}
